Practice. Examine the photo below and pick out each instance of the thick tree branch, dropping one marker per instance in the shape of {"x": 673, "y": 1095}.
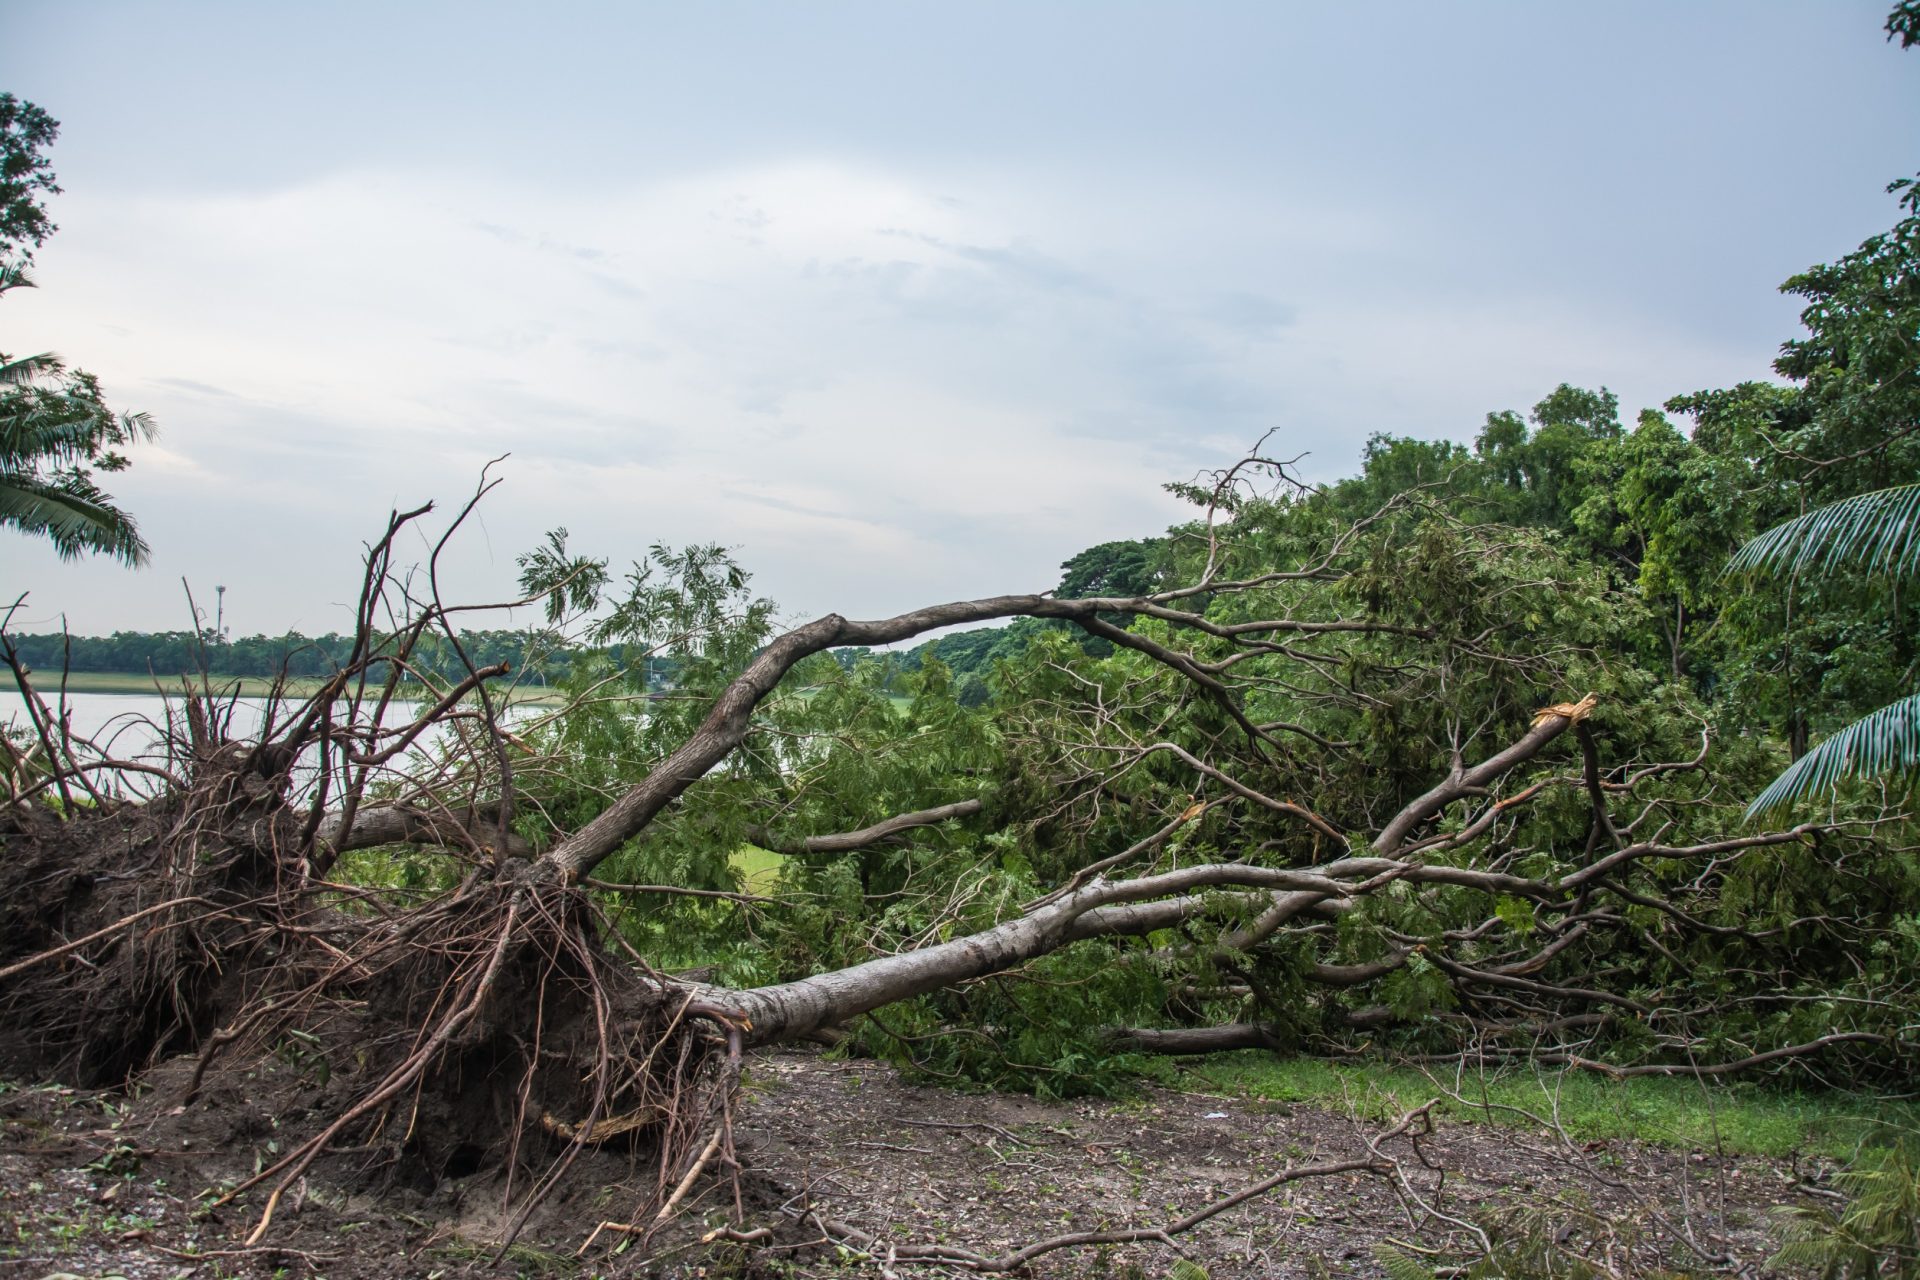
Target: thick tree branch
{"x": 848, "y": 841}
{"x": 1463, "y": 782}
{"x": 404, "y": 824}
{"x": 791, "y": 1009}
{"x": 1180, "y": 1041}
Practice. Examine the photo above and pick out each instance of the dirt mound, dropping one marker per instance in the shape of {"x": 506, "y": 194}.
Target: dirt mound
{"x": 96, "y": 1014}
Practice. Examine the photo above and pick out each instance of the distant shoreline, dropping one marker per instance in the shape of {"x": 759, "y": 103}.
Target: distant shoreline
{"x": 47, "y": 683}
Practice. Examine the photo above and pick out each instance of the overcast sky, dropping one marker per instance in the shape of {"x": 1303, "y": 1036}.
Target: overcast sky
{"x": 905, "y": 302}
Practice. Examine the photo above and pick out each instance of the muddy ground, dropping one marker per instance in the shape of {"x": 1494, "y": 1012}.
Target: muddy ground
{"x": 96, "y": 1185}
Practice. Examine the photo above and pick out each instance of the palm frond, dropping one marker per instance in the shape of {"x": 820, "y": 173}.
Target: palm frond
{"x": 74, "y": 515}
{"x": 1883, "y": 743}
{"x": 25, "y": 369}
{"x": 1878, "y": 532}
{"x": 41, "y": 426}
{"x": 137, "y": 426}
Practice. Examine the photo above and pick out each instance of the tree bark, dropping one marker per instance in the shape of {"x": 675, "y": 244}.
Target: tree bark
{"x": 849, "y": 841}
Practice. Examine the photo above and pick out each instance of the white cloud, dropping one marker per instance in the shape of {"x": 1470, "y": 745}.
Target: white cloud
{"x": 884, "y": 387}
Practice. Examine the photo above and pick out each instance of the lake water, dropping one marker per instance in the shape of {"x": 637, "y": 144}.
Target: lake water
{"x": 134, "y": 726}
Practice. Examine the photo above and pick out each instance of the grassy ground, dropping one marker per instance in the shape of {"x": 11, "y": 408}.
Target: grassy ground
{"x": 758, "y": 867}
{"x": 1737, "y": 1118}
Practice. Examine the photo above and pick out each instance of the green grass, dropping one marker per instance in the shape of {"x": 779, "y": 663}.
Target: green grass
{"x": 48, "y": 683}
{"x": 1747, "y": 1118}
{"x": 758, "y": 867}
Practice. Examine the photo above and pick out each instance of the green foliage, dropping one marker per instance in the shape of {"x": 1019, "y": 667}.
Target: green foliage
{"x": 1535, "y": 474}
{"x": 1883, "y": 743}
{"x": 1741, "y": 1117}
{"x": 411, "y": 870}
{"x": 56, "y": 430}
{"x": 1878, "y": 533}
{"x": 1130, "y": 568}
{"x": 567, "y": 582}
{"x": 685, "y": 613}
{"x": 26, "y": 132}
{"x": 1829, "y": 463}
{"x": 1876, "y": 1235}
{"x": 1903, "y": 23}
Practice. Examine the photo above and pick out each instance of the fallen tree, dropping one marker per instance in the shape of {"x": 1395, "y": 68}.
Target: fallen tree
{"x": 1331, "y": 784}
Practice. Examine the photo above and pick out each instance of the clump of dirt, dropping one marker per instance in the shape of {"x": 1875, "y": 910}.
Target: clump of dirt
{"x": 88, "y": 1186}
{"x": 848, "y": 1142}
{"x": 175, "y": 895}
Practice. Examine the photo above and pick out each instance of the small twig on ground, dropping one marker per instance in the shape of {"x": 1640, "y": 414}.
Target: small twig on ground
{"x": 200, "y": 1255}
{"x": 1419, "y": 1120}
{"x": 673, "y": 1201}
{"x": 975, "y": 1124}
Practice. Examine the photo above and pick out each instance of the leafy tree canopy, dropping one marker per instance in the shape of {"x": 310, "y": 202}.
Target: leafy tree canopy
{"x": 56, "y": 431}
{"x": 26, "y": 174}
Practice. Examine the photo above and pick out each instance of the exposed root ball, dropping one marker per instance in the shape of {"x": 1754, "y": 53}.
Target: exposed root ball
{"x": 127, "y": 933}
{"x": 485, "y": 1031}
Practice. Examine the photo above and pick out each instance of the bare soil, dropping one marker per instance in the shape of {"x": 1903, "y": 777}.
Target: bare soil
{"x": 98, "y": 1184}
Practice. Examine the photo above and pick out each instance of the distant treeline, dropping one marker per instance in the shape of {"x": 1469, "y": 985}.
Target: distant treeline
{"x": 535, "y": 658}
{"x": 1133, "y": 567}
{"x": 542, "y": 657}
{"x": 534, "y": 655}
{"x": 969, "y": 656}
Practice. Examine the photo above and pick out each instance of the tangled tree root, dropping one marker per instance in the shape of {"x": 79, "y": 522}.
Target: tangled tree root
{"x": 487, "y": 1030}
{"x": 128, "y": 932}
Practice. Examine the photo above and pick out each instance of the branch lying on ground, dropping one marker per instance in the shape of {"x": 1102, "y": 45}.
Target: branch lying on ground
{"x": 1415, "y": 1123}
{"x": 1714, "y": 1069}
{"x": 1180, "y": 1041}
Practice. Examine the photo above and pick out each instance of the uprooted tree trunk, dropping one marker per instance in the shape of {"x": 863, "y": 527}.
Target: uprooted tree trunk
{"x": 203, "y": 922}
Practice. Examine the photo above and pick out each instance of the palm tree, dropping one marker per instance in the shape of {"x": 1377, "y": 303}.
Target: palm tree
{"x": 1880, "y": 533}
{"x": 55, "y": 432}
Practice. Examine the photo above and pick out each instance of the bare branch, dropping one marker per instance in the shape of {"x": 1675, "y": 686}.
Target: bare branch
{"x": 1463, "y": 782}
{"x": 848, "y": 841}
